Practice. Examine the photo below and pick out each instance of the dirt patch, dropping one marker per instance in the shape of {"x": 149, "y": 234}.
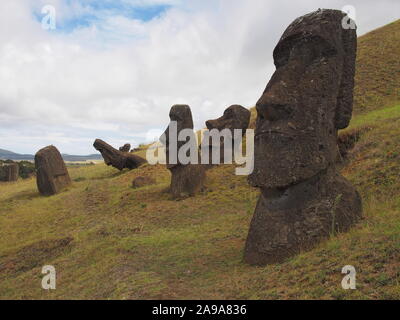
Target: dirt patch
{"x": 31, "y": 256}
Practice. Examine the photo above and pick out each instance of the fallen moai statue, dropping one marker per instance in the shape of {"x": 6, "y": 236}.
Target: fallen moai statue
{"x": 118, "y": 159}
{"x": 51, "y": 172}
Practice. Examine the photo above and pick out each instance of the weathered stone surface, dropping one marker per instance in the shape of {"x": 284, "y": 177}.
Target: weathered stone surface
{"x": 116, "y": 158}
{"x": 125, "y": 148}
{"x": 234, "y": 117}
{"x": 51, "y": 173}
{"x": 142, "y": 181}
{"x": 303, "y": 197}
{"x": 187, "y": 179}
{"x": 9, "y": 172}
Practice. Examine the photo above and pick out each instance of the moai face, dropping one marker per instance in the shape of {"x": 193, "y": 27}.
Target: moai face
{"x": 234, "y": 117}
{"x": 308, "y": 98}
{"x": 182, "y": 116}
{"x": 110, "y": 155}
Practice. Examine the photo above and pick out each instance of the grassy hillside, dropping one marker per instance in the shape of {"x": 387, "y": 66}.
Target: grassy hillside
{"x": 377, "y": 72}
{"x": 110, "y": 241}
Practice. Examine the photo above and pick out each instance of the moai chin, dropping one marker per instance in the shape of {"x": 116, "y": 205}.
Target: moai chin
{"x": 309, "y": 98}
{"x": 234, "y": 117}
{"x": 187, "y": 178}
{"x": 51, "y": 172}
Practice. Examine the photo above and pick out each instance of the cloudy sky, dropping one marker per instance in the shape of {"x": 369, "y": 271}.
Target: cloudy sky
{"x": 113, "y": 68}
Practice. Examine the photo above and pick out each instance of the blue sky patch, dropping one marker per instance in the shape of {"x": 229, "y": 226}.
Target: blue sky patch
{"x": 97, "y": 11}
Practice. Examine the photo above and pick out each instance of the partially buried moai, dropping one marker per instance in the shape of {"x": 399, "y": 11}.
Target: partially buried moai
{"x": 308, "y": 99}
{"x": 182, "y": 153}
{"x": 9, "y": 172}
{"x": 51, "y": 172}
{"x": 234, "y": 117}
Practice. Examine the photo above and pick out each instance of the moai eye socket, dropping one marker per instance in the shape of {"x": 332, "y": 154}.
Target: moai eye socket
{"x": 274, "y": 112}
{"x": 311, "y": 50}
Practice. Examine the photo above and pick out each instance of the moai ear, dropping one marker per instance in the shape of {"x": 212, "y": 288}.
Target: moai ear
{"x": 344, "y": 105}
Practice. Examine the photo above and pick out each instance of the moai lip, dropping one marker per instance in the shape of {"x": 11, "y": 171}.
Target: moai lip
{"x": 51, "y": 172}
{"x": 118, "y": 159}
{"x": 308, "y": 99}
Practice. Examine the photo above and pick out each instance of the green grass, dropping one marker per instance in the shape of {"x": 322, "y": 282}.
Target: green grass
{"x": 140, "y": 244}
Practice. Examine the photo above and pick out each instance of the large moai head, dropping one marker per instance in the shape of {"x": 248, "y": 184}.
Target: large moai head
{"x": 181, "y": 118}
{"x": 51, "y": 172}
{"x": 307, "y": 100}
{"x": 234, "y": 117}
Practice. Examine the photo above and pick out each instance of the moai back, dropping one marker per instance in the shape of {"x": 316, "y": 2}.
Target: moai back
{"x": 12, "y": 172}
{"x": 9, "y": 172}
{"x": 51, "y": 172}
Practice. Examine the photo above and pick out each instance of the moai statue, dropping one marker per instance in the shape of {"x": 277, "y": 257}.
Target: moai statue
{"x": 118, "y": 159}
{"x": 125, "y": 148}
{"x": 187, "y": 178}
{"x": 10, "y": 172}
{"x": 309, "y": 98}
{"x": 234, "y": 117}
{"x": 51, "y": 172}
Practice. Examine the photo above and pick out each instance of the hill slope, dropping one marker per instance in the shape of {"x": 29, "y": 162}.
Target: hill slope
{"x": 110, "y": 241}
{"x": 377, "y": 72}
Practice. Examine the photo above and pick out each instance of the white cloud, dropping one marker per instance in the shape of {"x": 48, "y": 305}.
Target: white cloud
{"x": 116, "y": 79}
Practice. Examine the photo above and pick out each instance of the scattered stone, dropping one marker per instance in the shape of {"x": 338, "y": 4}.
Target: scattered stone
{"x": 186, "y": 178}
{"x": 118, "y": 159}
{"x": 303, "y": 197}
{"x": 51, "y": 172}
{"x": 142, "y": 181}
{"x": 125, "y": 148}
